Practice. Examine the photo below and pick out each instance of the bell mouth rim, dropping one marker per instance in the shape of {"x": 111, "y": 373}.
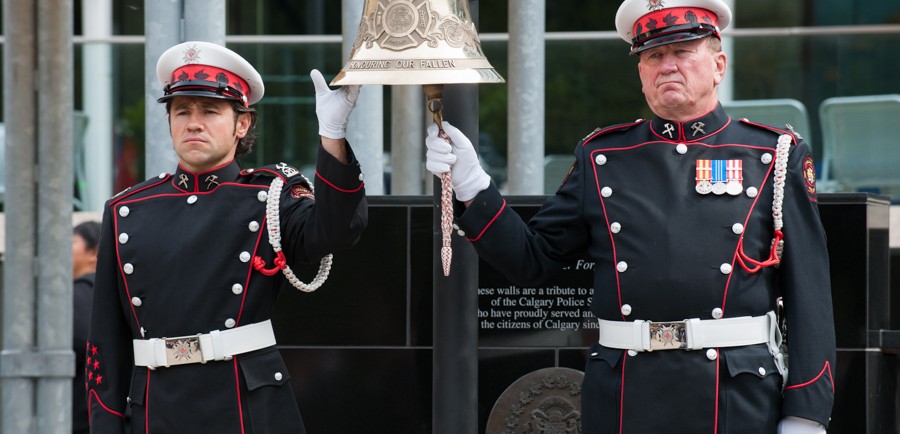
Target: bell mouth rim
{"x": 485, "y": 74}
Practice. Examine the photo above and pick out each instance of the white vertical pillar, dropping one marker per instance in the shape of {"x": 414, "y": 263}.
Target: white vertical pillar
{"x": 408, "y": 112}
{"x": 365, "y": 133}
{"x": 525, "y": 153}
{"x": 94, "y": 168}
{"x": 726, "y": 87}
{"x": 162, "y": 21}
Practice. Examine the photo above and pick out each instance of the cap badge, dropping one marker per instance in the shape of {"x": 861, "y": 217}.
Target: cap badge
{"x": 655, "y": 5}
{"x": 191, "y": 55}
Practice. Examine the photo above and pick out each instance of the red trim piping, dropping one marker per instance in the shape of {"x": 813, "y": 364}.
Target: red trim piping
{"x": 488, "y": 225}
{"x": 93, "y": 394}
{"x": 825, "y": 368}
{"x": 237, "y": 387}
{"x": 342, "y": 190}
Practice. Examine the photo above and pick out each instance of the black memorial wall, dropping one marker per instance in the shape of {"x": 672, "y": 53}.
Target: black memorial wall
{"x": 360, "y": 348}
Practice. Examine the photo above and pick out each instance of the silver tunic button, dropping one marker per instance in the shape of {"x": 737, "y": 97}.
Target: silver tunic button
{"x": 127, "y": 399}
{"x": 461, "y": 233}
{"x": 278, "y": 376}
{"x": 737, "y": 228}
{"x": 128, "y": 268}
{"x": 717, "y": 313}
{"x": 632, "y": 353}
{"x": 362, "y": 177}
{"x": 622, "y": 266}
{"x": 762, "y": 371}
{"x": 725, "y": 268}
{"x": 244, "y": 256}
{"x": 615, "y": 227}
{"x": 253, "y": 226}
{"x": 600, "y": 159}
{"x": 594, "y": 354}
{"x": 626, "y": 309}
{"x": 162, "y": 175}
{"x": 711, "y": 354}
{"x": 136, "y": 301}
{"x": 766, "y": 158}
{"x": 229, "y": 323}
{"x": 752, "y": 192}
{"x": 237, "y": 288}
{"x": 192, "y": 199}
{"x": 124, "y": 211}
{"x": 262, "y": 196}
{"x": 681, "y": 148}
{"x": 123, "y": 238}
{"x": 606, "y": 192}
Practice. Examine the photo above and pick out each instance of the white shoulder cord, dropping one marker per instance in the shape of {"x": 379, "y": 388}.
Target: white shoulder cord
{"x": 781, "y": 156}
{"x": 273, "y": 220}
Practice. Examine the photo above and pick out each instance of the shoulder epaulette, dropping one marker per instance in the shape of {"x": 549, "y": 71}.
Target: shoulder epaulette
{"x": 152, "y": 182}
{"x": 605, "y": 130}
{"x": 795, "y": 138}
{"x": 290, "y": 174}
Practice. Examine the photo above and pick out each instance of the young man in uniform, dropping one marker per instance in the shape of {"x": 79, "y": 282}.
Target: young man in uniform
{"x": 698, "y": 223}
{"x": 190, "y": 263}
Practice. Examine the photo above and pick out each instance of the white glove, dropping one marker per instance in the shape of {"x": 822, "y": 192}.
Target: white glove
{"x": 797, "y": 425}
{"x": 333, "y": 107}
{"x": 459, "y": 158}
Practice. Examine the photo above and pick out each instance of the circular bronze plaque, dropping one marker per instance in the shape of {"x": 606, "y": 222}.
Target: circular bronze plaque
{"x": 544, "y": 401}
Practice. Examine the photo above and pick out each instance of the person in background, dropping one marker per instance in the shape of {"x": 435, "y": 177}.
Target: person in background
{"x": 698, "y": 224}
{"x": 85, "y": 238}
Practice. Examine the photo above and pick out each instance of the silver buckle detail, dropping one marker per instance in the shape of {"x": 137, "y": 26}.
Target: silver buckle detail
{"x": 183, "y": 350}
{"x": 668, "y": 335}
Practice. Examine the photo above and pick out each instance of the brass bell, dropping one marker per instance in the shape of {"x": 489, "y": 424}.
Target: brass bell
{"x": 426, "y": 42}
{"x": 416, "y": 42}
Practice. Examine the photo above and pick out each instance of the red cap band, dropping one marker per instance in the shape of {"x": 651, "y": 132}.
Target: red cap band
{"x": 197, "y": 74}
{"x": 658, "y": 21}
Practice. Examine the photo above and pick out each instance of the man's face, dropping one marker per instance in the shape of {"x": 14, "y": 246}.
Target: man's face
{"x": 204, "y": 131}
{"x": 679, "y": 80}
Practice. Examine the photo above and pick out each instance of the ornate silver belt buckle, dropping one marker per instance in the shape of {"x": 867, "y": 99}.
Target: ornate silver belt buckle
{"x": 183, "y": 350}
{"x": 668, "y": 336}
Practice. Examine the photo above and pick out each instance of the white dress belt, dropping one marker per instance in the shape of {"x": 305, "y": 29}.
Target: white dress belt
{"x": 201, "y": 348}
{"x": 690, "y": 334}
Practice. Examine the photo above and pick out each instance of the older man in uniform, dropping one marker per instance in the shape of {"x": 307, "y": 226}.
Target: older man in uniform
{"x": 190, "y": 263}
{"x": 698, "y": 223}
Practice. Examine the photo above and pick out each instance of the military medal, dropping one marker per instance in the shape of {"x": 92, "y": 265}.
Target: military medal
{"x": 703, "y": 177}
{"x": 734, "y": 177}
{"x": 719, "y": 177}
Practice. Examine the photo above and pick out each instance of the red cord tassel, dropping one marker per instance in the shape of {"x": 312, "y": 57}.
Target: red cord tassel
{"x": 260, "y": 265}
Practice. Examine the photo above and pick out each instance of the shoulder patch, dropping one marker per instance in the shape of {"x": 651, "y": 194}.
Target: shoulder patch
{"x": 599, "y": 131}
{"x": 809, "y": 175}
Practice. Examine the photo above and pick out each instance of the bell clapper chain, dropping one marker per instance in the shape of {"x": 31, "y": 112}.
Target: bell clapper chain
{"x": 433, "y": 93}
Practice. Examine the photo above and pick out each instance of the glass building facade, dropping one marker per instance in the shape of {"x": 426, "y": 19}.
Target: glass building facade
{"x": 805, "y": 50}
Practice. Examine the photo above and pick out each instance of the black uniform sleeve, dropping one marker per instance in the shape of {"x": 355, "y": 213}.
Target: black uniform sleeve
{"x": 533, "y": 252}
{"x": 334, "y": 220}
{"x": 805, "y": 282}
{"x": 109, "y": 359}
